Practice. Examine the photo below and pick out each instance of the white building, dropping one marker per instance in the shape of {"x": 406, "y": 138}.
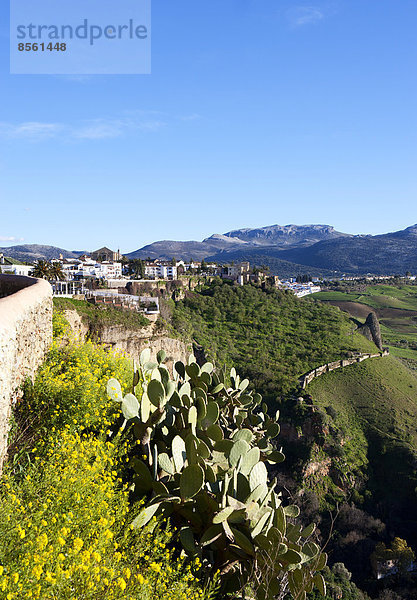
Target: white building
{"x": 74, "y": 268}
{"x": 108, "y": 270}
{"x": 301, "y": 289}
{"x": 161, "y": 271}
{"x": 17, "y": 269}
{"x": 8, "y": 265}
{"x": 239, "y": 272}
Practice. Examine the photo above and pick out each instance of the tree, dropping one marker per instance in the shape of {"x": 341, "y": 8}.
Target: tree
{"x": 41, "y": 269}
{"x": 399, "y": 558}
{"x": 203, "y": 441}
{"x": 56, "y": 272}
{"x": 136, "y": 268}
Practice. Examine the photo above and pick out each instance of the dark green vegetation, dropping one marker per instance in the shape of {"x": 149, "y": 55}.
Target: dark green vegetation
{"x": 374, "y": 405}
{"x": 200, "y": 445}
{"x": 96, "y": 317}
{"x": 271, "y": 336}
{"x": 376, "y": 400}
{"x": 339, "y": 585}
{"x": 351, "y": 443}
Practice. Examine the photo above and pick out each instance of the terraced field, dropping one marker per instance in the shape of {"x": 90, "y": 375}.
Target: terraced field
{"x": 395, "y": 307}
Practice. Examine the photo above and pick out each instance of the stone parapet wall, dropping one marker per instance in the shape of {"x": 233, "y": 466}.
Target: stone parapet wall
{"x": 308, "y": 377}
{"x": 25, "y": 337}
{"x": 10, "y": 284}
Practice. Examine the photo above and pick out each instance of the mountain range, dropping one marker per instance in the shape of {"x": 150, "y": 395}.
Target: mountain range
{"x": 278, "y": 237}
{"x": 32, "y": 252}
{"x": 287, "y": 250}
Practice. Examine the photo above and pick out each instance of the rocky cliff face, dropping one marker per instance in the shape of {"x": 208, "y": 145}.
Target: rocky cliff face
{"x": 371, "y": 330}
{"x": 132, "y": 341}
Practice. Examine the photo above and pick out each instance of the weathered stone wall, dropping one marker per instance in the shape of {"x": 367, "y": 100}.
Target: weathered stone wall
{"x": 25, "y": 337}
{"x": 308, "y": 377}
{"x": 167, "y": 289}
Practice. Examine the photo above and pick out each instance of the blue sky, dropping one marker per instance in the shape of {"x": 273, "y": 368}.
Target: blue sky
{"x": 256, "y": 112}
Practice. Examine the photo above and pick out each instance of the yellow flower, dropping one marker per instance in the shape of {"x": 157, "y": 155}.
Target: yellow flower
{"x": 42, "y": 541}
{"x": 155, "y": 567}
{"x": 37, "y": 571}
{"x": 121, "y": 583}
{"x": 49, "y": 578}
{"x": 78, "y": 544}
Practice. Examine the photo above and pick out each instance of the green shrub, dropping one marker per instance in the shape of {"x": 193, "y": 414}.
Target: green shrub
{"x": 270, "y": 336}
{"x": 96, "y": 316}
{"x": 200, "y": 446}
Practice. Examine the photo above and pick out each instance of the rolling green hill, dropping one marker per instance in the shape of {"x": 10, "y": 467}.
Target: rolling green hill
{"x": 351, "y": 439}
{"x": 375, "y": 403}
{"x": 271, "y": 336}
{"x": 395, "y": 307}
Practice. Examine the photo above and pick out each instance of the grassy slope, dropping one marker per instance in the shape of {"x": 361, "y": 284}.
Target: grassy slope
{"x": 396, "y": 308}
{"x": 336, "y": 296}
{"x": 382, "y": 392}
{"x": 377, "y": 400}
{"x": 271, "y": 337}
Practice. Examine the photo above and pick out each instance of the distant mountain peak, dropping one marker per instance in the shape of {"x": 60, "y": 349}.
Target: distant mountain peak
{"x": 285, "y": 235}
{"x": 221, "y": 237}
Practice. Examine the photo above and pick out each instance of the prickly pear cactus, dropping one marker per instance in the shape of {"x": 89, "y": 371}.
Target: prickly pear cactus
{"x": 205, "y": 445}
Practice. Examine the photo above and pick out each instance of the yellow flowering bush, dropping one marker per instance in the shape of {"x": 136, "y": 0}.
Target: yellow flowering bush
{"x": 64, "y": 514}
{"x": 64, "y": 532}
{"x": 60, "y": 325}
{"x": 70, "y": 389}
